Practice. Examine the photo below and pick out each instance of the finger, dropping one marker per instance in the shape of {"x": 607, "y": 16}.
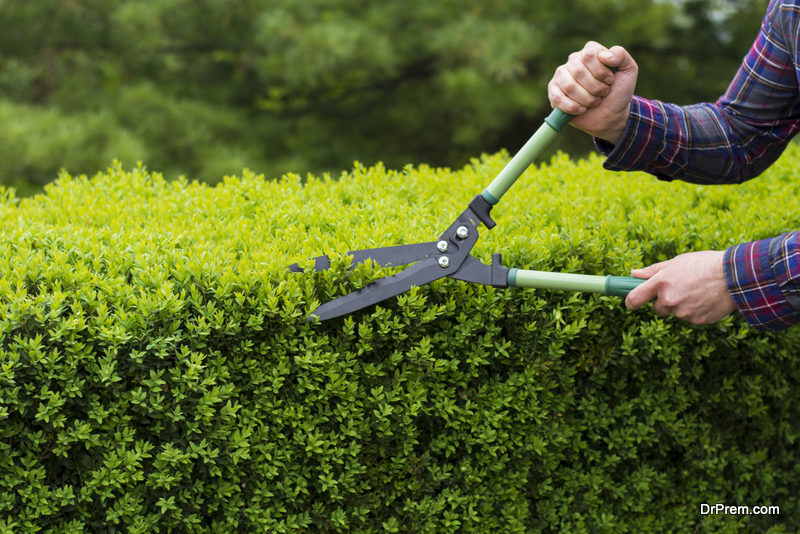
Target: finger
{"x": 572, "y": 89}
{"x": 642, "y": 295}
{"x": 590, "y": 57}
{"x": 649, "y": 271}
{"x": 586, "y": 79}
{"x": 661, "y": 309}
{"x": 561, "y": 101}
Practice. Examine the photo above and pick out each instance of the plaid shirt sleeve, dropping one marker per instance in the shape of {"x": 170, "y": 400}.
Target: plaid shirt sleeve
{"x": 764, "y": 280}
{"x": 730, "y": 141}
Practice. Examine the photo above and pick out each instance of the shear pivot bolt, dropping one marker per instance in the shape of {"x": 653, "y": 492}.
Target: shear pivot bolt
{"x": 442, "y": 246}
{"x": 462, "y": 232}
{"x": 444, "y": 262}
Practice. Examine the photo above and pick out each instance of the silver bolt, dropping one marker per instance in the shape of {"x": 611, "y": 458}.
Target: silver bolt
{"x": 442, "y": 246}
{"x": 462, "y": 232}
{"x": 444, "y": 262}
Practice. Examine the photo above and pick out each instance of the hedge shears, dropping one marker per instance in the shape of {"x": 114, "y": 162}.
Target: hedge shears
{"x": 449, "y": 255}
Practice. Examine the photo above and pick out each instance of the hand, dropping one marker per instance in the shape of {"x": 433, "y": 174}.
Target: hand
{"x": 690, "y": 286}
{"x": 585, "y": 86}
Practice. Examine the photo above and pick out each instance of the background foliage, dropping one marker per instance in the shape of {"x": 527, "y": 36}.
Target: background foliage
{"x": 208, "y": 87}
{"x": 157, "y": 374}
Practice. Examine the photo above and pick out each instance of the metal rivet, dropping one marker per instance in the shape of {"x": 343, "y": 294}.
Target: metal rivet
{"x": 462, "y": 232}
{"x": 442, "y": 246}
{"x": 444, "y": 262}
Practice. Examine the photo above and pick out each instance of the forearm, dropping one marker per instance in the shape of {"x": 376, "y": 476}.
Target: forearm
{"x": 733, "y": 139}
{"x": 702, "y": 143}
{"x": 729, "y": 141}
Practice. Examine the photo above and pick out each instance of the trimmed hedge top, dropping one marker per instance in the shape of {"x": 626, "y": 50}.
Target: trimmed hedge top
{"x": 156, "y": 373}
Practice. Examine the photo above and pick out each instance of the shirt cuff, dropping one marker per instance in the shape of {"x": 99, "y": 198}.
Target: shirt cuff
{"x": 754, "y": 275}
{"x": 644, "y": 132}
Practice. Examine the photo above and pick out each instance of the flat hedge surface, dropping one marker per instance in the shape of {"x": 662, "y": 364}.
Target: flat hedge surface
{"x": 157, "y": 375}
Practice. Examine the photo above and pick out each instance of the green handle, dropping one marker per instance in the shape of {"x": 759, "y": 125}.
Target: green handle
{"x": 618, "y": 286}
{"x": 558, "y": 119}
{"x": 532, "y": 149}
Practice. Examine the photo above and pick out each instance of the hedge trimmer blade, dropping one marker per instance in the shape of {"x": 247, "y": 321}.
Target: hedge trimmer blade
{"x": 450, "y": 256}
{"x": 380, "y": 290}
{"x": 435, "y": 260}
{"x": 393, "y": 256}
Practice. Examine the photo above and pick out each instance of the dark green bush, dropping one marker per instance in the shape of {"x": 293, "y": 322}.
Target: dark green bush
{"x": 156, "y": 373}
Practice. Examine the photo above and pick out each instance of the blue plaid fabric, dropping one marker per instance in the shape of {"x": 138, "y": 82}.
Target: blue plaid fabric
{"x": 730, "y": 141}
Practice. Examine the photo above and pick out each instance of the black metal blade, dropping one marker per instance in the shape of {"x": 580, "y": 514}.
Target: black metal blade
{"x": 393, "y": 256}
{"x": 380, "y": 290}
{"x": 477, "y": 272}
{"x": 321, "y": 263}
{"x": 437, "y": 259}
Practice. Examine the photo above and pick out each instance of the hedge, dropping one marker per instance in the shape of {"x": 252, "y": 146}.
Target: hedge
{"x": 157, "y": 374}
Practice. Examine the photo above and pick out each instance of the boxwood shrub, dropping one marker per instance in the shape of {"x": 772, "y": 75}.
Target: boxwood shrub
{"x": 157, "y": 374}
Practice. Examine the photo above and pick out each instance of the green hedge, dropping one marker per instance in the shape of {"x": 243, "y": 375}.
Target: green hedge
{"x": 156, "y": 373}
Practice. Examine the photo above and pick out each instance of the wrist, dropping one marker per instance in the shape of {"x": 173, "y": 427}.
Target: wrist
{"x": 617, "y": 127}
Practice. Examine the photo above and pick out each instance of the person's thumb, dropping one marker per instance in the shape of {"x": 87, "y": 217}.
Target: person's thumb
{"x": 618, "y": 58}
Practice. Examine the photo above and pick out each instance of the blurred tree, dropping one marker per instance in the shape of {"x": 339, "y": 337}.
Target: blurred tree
{"x": 204, "y": 87}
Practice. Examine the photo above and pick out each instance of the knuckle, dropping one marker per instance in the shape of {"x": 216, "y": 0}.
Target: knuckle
{"x": 568, "y": 106}
{"x": 669, "y": 301}
{"x": 681, "y": 314}
{"x": 553, "y": 95}
{"x": 569, "y": 85}
{"x": 574, "y": 71}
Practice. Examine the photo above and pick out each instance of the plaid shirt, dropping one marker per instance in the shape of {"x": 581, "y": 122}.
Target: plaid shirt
{"x": 729, "y": 141}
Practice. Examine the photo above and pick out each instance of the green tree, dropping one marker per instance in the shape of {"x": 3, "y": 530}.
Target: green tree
{"x": 206, "y": 87}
